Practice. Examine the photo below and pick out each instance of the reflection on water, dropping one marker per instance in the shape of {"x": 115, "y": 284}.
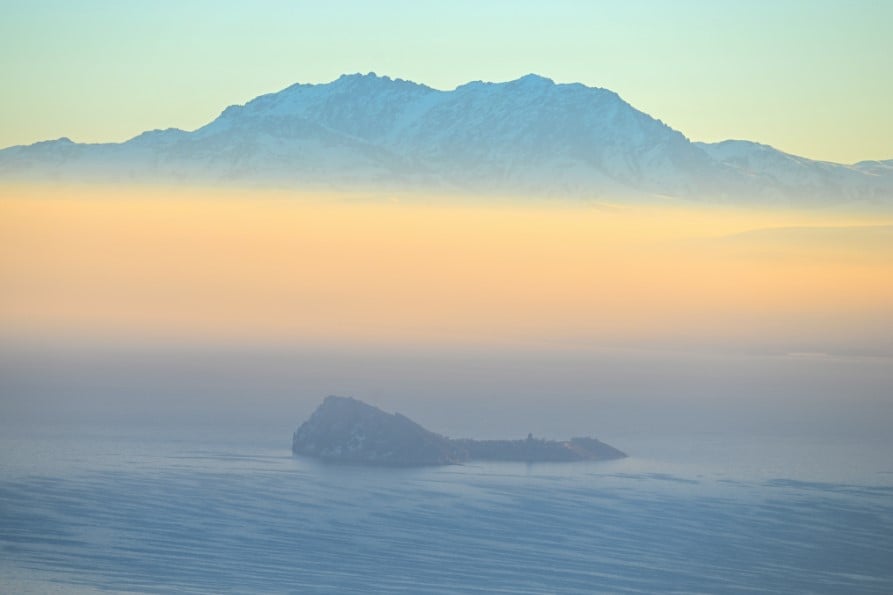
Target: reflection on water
{"x": 201, "y": 515}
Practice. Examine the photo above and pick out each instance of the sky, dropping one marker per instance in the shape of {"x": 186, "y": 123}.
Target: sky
{"x": 422, "y": 301}
{"x": 810, "y": 77}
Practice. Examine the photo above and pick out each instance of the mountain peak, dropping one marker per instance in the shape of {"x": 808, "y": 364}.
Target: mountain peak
{"x": 360, "y": 76}
{"x": 534, "y": 79}
{"x": 62, "y": 140}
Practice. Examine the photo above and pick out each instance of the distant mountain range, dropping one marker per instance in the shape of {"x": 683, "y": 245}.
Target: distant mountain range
{"x": 529, "y": 137}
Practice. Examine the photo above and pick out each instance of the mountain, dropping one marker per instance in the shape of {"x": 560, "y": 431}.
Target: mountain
{"x": 773, "y": 173}
{"x": 528, "y": 137}
{"x": 346, "y": 430}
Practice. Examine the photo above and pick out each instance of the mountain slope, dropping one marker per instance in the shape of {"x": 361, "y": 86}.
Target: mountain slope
{"x": 528, "y": 137}
{"x": 779, "y": 174}
{"x": 350, "y": 431}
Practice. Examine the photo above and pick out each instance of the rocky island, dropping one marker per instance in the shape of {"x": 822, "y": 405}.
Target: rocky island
{"x": 346, "y": 430}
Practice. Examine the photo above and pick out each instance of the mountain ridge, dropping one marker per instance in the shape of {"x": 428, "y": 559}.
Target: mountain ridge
{"x": 530, "y": 137}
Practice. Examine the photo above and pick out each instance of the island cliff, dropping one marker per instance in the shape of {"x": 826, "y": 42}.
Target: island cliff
{"x": 346, "y": 430}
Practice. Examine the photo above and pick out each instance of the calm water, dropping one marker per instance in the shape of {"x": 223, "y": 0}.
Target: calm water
{"x": 208, "y": 512}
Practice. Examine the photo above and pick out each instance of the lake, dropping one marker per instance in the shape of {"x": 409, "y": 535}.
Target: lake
{"x": 216, "y": 510}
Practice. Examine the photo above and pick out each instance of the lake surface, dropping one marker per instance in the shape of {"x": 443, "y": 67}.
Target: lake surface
{"x": 204, "y": 511}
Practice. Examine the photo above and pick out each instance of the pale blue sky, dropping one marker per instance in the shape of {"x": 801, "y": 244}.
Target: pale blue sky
{"x": 809, "y": 77}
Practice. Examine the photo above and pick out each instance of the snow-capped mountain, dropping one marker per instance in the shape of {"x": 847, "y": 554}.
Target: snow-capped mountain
{"x": 773, "y": 173}
{"x": 528, "y": 137}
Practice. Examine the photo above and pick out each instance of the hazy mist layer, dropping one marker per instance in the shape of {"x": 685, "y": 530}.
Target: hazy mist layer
{"x": 153, "y": 304}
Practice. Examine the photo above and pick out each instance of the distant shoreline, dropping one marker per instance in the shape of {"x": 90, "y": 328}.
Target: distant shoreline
{"x": 346, "y": 430}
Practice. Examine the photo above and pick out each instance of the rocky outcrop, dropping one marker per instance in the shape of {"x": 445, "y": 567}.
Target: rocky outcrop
{"x": 533, "y": 450}
{"x": 346, "y": 430}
